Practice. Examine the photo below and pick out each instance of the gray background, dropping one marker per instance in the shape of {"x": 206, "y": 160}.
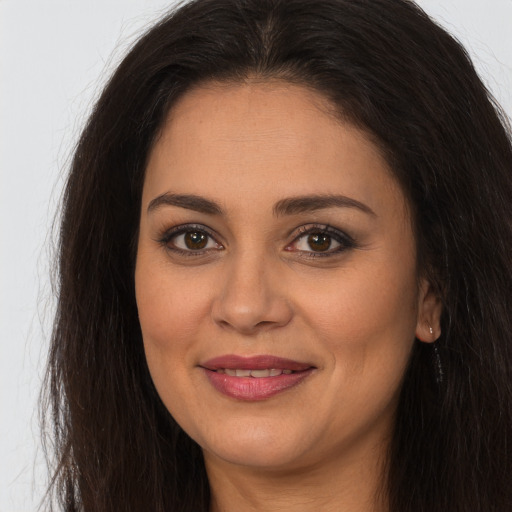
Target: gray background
{"x": 54, "y": 57}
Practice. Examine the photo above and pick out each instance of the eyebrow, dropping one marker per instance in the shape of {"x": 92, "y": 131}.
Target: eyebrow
{"x": 305, "y": 204}
{"x": 288, "y": 206}
{"x": 187, "y": 201}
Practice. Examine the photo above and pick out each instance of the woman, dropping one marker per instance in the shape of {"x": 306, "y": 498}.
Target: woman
{"x": 286, "y": 269}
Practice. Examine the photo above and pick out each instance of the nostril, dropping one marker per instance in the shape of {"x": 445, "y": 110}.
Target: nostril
{"x": 248, "y": 302}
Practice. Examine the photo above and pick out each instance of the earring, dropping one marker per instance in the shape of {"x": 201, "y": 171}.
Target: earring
{"x": 438, "y": 367}
{"x": 436, "y": 360}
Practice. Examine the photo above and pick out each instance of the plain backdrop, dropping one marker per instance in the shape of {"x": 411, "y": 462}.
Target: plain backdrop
{"x": 54, "y": 57}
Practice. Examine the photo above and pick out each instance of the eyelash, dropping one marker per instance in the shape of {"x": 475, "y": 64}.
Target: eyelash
{"x": 167, "y": 237}
{"x": 345, "y": 241}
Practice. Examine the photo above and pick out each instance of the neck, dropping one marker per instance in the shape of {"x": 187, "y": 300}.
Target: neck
{"x": 352, "y": 483}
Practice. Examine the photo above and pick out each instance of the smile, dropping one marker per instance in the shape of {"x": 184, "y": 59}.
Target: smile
{"x": 274, "y": 372}
{"x": 254, "y": 378}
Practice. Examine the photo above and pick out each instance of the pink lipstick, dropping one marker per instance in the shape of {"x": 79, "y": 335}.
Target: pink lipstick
{"x": 254, "y": 378}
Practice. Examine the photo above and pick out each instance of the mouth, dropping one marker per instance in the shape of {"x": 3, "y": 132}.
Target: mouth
{"x": 254, "y": 364}
{"x": 257, "y": 374}
{"x": 254, "y": 378}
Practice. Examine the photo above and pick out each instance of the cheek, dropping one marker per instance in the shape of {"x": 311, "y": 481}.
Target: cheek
{"x": 169, "y": 306}
{"x": 366, "y": 318}
{"x": 367, "y": 326}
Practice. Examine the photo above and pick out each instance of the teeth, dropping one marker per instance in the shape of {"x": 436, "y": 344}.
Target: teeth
{"x": 273, "y": 372}
{"x": 260, "y": 373}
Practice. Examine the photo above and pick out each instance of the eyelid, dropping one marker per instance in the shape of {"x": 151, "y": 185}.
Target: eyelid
{"x": 345, "y": 240}
{"x": 175, "y": 231}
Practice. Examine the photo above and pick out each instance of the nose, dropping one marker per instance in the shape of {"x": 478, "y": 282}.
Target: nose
{"x": 252, "y": 298}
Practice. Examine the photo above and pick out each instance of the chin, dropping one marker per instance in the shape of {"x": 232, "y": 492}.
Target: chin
{"x": 254, "y": 446}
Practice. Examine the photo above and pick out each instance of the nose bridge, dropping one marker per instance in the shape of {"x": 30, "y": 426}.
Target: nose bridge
{"x": 251, "y": 299}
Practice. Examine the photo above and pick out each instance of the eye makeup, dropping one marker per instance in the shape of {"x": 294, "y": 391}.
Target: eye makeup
{"x": 320, "y": 240}
{"x": 309, "y": 241}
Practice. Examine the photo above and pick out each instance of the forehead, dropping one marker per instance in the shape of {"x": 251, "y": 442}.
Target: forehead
{"x": 276, "y": 138}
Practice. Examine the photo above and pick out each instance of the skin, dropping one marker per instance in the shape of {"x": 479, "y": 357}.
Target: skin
{"x": 259, "y": 287}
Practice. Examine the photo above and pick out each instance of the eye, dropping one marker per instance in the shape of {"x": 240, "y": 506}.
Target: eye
{"x": 190, "y": 240}
{"x": 193, "y": 241}
{"x": 321, "y": 241}
{"x": 318, "y": 242}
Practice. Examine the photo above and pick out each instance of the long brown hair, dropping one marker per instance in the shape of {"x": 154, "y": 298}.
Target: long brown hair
{"x": 390, "y": 70}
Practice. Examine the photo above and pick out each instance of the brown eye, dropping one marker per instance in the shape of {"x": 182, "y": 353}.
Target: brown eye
{"x": 195, "y": 240}
{"x": 191, "y": 240}
{"x": 319, "y": 242}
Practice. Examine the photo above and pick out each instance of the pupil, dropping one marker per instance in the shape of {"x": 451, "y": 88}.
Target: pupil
{"x": 195, "y": 240}
{"x": 319, "y": 241}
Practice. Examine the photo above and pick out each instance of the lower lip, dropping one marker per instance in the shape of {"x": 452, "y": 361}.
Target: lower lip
{"x": 254, "y": 388}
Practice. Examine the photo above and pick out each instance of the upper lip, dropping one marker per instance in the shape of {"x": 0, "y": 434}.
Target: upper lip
{"x": 262, "y": 362}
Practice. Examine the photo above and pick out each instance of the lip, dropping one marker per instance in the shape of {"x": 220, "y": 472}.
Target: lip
{"x": 251, "y": 388}
{"x": 254, "y": 363}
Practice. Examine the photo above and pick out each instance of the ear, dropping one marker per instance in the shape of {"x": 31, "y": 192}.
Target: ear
{"x": 428, "y": 327}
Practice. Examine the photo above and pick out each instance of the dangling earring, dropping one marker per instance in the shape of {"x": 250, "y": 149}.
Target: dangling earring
{"x": 438, "y": 366}
{"x": 436, "y": 359}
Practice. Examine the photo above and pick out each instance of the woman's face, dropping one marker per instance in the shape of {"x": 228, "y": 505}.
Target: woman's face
{"x": 276, "y": 278}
